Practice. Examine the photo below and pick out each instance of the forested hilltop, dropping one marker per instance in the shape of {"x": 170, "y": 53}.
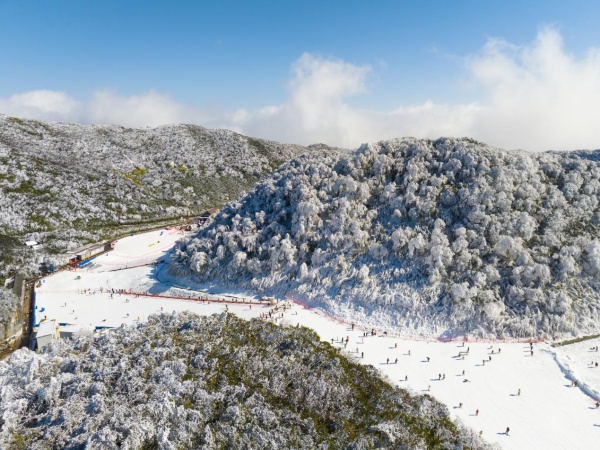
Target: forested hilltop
{"x": 187, "y": 382}
{"x": 440, "y": 235}
{"x": 65, "y": 185}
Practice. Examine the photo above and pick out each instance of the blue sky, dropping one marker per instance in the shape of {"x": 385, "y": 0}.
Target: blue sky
{"x": 370, "y": 70}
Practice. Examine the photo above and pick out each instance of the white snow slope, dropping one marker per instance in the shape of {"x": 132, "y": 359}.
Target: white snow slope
{"x": 549, "y": 413}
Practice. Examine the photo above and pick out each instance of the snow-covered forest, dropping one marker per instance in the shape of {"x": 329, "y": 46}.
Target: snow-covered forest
{"x": 449, "y": 233}
{"x": 9, "y": 302}
{"x": 64, "y": 185}
{"x": 184, "y": 381}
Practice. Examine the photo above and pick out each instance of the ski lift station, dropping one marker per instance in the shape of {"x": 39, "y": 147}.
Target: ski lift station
{"x": 83, "y": 255}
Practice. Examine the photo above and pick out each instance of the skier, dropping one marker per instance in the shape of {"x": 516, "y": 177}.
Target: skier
{"x": 388, "y": 360}
{"x": 519, "y": 392}
{"x": 443, "y": 376}
{"x": 427, "y": 358}
{"x": 439, "y": 376}
{"x": 460, "y": 405}
{"x": 507, "y": 430}
{"x": 476, "y": 412}
{"x": 396, "y": 361}
{"x": 463, "y": 372}
{"x": 490, "y": 358}
{"x": 362, "y": 354}
{"x": 405, "y": 377}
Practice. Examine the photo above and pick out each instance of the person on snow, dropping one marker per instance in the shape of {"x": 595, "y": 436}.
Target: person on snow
{"x": 507, "y": 430}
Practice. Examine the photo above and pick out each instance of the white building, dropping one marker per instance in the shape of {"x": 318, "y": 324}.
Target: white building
{"x": 47, "y": 332}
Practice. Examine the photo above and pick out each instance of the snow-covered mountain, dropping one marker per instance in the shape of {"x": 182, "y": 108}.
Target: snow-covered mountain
{"x": 449, "y": 233}
{"x": 187, "y": 382}
{"x": 67, "y": 184}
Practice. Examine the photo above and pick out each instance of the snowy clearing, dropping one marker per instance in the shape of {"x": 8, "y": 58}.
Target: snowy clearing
{"x": 548, "y": 412}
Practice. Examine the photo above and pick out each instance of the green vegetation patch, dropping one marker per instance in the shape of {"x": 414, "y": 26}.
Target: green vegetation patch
{"x": 135, "y": 176}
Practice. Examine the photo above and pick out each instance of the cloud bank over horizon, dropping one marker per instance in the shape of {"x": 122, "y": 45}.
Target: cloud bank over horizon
{"x": 533, "y": 97}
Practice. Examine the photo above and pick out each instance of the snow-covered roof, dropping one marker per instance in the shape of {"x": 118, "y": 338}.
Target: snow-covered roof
{"x": 86, "y": 248}
{"x": 46, "y": 328}
{"x": 30, "y": 243}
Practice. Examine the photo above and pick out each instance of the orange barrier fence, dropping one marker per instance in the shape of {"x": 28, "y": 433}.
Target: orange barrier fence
{"x": 197, "y": 299}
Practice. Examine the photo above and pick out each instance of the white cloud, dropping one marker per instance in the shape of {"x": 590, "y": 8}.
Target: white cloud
{"x": 148, "y": 109}
{"x": 41, "y": 104}
{"x": 538, "y": 96}
{"x": 534, "y": 97}
{"x": 315, "y": 110}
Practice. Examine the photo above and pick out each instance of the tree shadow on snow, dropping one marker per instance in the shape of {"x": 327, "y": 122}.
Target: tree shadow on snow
{"x": 158, "y": 287}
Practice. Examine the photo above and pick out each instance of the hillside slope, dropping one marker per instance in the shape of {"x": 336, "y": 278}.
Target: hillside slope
{"x": 187, "y": 382}
{"x": 67, "y": 184}
{"x": 450, "y": 234}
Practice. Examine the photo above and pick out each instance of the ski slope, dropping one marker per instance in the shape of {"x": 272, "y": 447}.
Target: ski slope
{"x": 549, "y": 412}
